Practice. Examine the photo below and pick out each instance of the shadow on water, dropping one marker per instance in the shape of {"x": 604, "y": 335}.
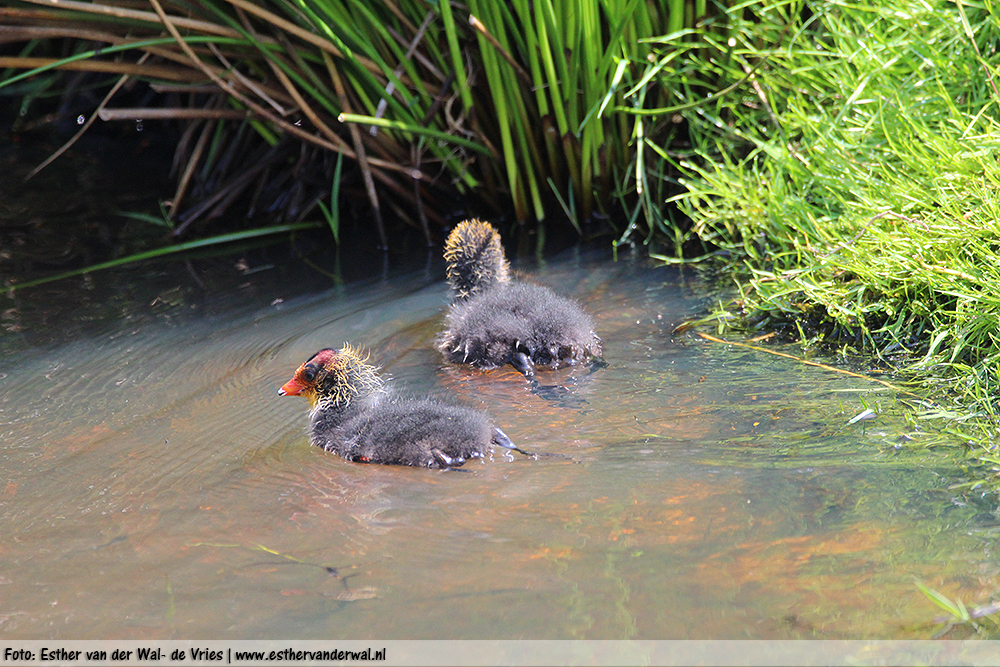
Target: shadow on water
{"x": 153, "y": 484}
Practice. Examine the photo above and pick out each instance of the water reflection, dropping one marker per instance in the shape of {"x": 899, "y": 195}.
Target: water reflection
{"x": 155, "y": 486}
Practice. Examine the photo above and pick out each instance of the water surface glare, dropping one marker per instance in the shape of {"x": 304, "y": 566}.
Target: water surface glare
{"x": 154, "y": 485}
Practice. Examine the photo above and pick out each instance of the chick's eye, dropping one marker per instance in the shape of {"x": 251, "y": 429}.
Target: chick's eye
{"x": 309, "y": 373}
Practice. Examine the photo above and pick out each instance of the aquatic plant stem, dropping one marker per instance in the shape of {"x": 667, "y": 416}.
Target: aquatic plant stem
{"x": 806, "y": 362}
{"x": 169, "y": 250}
{"x": 90, "y": 121}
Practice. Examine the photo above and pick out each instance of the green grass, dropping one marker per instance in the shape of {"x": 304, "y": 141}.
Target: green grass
{"x": 849, "y": 173}
{"x": 854, "y": 180}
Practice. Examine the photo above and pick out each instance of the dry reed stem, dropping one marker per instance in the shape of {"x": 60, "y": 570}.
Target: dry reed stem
{"x": 304, "y": 105}
{"x": 222, "y": 193}
{"x": 807, "y": 362}
{"x": 411, "y": 49}
{"x": 138, "y": 15}
{"x": 10, "y": 33}
{"x": 164, "y": 88}
{"x": 249, "y": 83}
{"x": 103, "y": 66}
{"x": 306, "y": 36}
{"x": 160, "y": 113}
{"x": 192, "y": 163}
{"x": 90, "y": 121}
{"x": 228, "y": 88}
{"x": 418, "y": 55}
{"x": 359, "y": 148}
{"x": 524, "y": 76}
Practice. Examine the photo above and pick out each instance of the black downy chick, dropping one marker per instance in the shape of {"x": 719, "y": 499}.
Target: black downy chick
{"x": 356, "y": 415}
{"x": 495, "y": 321}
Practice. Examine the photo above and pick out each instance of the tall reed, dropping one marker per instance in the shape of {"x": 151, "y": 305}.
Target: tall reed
{"x": 530, "y": 105}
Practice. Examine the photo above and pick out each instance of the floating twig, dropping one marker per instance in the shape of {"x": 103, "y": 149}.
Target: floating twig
{"x": 825, "y": 367}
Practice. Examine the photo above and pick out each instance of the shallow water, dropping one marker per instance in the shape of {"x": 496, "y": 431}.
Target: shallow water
{"x": 154, "y": 485}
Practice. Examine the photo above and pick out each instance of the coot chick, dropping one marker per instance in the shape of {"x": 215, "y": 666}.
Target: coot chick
{"x": 355, "y": 414}
{"x": 494, "y": 321}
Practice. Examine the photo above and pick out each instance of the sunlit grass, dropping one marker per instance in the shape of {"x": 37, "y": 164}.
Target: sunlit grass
{"x": 850, "y": 175}
{"x": 854, "y": 178}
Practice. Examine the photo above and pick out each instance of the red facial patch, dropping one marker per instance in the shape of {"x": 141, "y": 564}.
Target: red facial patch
{"x": 322, "y": 357}
{"x": 305, "y": 377}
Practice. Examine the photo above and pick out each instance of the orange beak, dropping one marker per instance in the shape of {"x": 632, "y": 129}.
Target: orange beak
{"x": 293, "y": 387}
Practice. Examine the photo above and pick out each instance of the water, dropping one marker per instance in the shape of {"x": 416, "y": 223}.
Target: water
{"x": 154, "y": 485}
